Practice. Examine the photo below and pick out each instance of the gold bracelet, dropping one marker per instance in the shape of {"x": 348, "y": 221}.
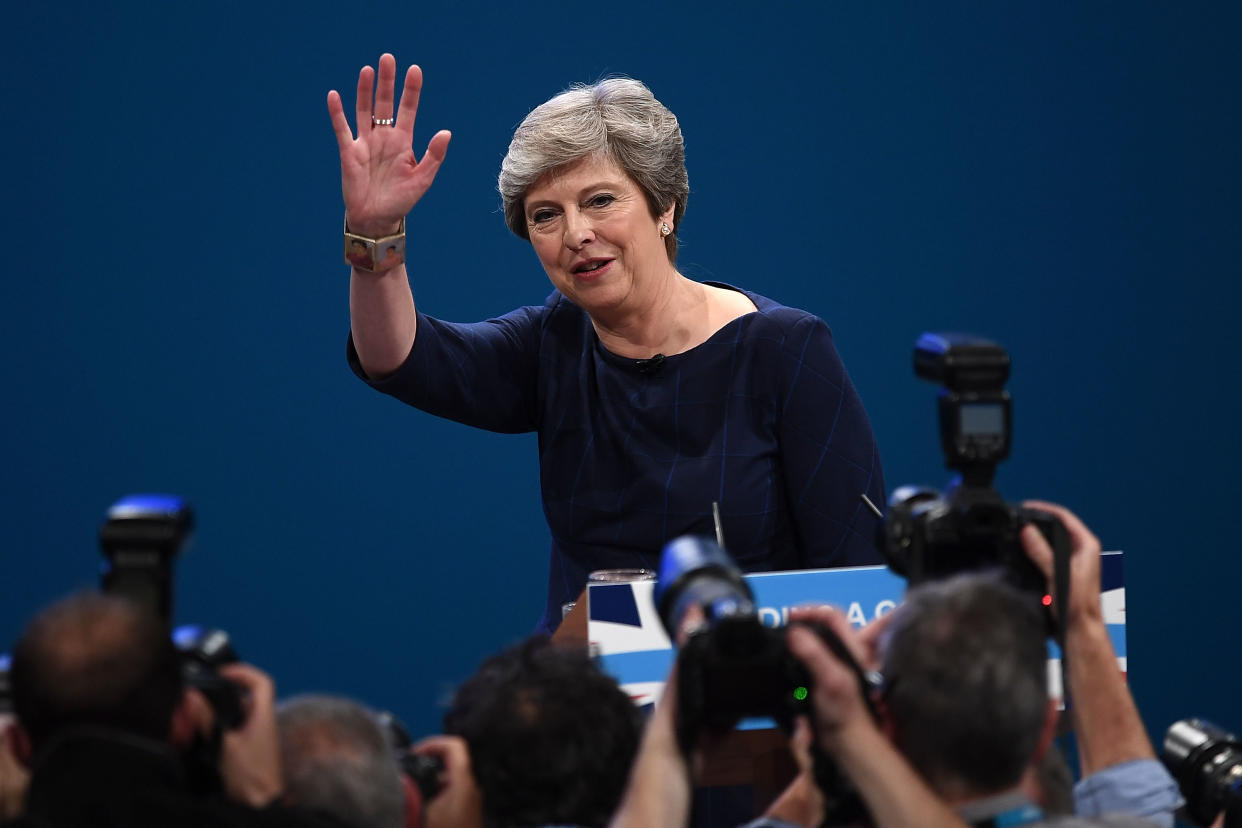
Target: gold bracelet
{"x": 375, "y": 255}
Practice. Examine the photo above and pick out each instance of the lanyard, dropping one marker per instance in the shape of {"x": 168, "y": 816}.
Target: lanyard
{"x": 1022, "y": 815}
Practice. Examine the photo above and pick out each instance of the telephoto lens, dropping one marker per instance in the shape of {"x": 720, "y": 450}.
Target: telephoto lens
{"x": 1206, "y": 761}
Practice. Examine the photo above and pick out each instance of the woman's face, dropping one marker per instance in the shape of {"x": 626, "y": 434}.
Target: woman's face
{"x": 595, "y": 236}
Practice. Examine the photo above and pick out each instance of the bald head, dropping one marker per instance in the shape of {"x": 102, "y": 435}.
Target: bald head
{"x": 99, "y": 660}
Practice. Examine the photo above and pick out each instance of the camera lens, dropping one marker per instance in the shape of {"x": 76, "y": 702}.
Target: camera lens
{"x": 1206, "y": 761}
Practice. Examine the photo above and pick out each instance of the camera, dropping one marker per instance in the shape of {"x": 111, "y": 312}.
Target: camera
{"x": 140, "y": 540}
{"x": 1206, "y": 761}
{"x": 927, "y": 535}
{"x": 423, "y": 771}
{"x": 203, "y": 651}
{"x": 731, "y": 666}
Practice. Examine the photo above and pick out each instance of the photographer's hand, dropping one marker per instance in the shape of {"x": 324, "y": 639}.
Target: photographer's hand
{"x": 871, "y": 638}
{"x": 895, "y": 795}
{"x": 837, "y": 698}
{"x": 459, "y": 804}
{"x": 14, "y": 777}
{"x": 250, "y": 755}
{"x": 660, "y": 786}
{"x": 802, "y": 802}
{"x": 1106, "y": 721}
{"x": 1084, "y": 563}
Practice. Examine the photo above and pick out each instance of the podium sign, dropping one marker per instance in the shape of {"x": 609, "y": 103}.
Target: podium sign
{"x": 626, "y": 634}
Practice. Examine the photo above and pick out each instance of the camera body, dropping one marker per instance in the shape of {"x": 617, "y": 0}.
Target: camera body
{"x": 1206, "y": 761}
{"x": 140, "y": 541}
{"x": 203, "y": 652}
{"x": 927, "y": 535}
{"x": 730, "y": 666}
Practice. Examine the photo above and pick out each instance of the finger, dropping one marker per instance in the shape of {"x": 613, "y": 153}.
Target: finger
{"x": 452, "y": 750}
{"x": 832, "y": 618}
{"x": 362, "y": 103}
{"x": 409, "y": 101}
{"x": 1080, "y": 535}
{"x": 824, "y": 667}
{"x": 800, "y": 740}
{"x": 201, "y": 713}
{"x": 437, "y": 148}
{"x": 453, "y": 753}
{"x": 433, "y": 157}
{"x": 870, "y": 637}
{"x": 1038, "y": 550}
{"x": 384, "y": 86}
{"x": 340, "y": 124}
{"x": 811, "y": 614}
{"x": 262, "y": 688}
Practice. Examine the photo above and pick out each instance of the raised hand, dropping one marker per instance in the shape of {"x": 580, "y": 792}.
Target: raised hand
{"x": 837, "y": 698}
{"x": 250, "y": 755}
{"x": 1084, "y": 563}
{"x": 381, "y": 179}
{"x": 459, "y": 804}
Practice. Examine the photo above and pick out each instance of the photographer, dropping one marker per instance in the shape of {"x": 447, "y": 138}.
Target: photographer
{"x": 538, "y": 736}
{"x": 337, "y": 760}
{"x": 965, "y": 696}
{"x": 1119, "y": 767}
{"x": 661, "y": 782}
{"x": 105, "y": 723}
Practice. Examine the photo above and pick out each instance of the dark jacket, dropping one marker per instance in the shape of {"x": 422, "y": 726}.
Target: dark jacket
{"x": 114, "y": 780}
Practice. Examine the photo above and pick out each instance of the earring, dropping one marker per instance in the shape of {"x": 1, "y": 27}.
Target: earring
{"x": 664, "y": 230}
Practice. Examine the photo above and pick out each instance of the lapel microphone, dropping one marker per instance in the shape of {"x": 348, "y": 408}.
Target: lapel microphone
{"x": 650, "y": 367}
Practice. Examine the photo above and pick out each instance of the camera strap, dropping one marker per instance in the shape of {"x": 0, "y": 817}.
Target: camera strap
{"x": 1061, "y": 585}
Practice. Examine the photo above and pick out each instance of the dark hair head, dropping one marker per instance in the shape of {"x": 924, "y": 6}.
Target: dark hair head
{"x": 966, "y": 682}
{"x": 338, "y": 761}
{"x": 551, "y": 737}
{"x": 99, "y": 660}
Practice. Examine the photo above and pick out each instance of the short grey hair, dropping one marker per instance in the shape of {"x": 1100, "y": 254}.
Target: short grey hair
{"x": 617, "y": 118}
{"x": 337, "y": 760}
{"x": 965, "y": 671}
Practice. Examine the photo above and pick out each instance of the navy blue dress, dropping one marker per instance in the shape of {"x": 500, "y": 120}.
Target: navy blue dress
{"x": 761, "y": 418}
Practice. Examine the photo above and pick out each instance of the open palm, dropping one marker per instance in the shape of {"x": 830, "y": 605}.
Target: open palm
{"x": 381, "y": 180}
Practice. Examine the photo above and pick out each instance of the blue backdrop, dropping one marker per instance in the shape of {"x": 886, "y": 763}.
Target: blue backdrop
{"x": 1063, "y": 177}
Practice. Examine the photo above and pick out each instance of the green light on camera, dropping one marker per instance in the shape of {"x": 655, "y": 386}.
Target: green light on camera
{"x": 800, "y": 693}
